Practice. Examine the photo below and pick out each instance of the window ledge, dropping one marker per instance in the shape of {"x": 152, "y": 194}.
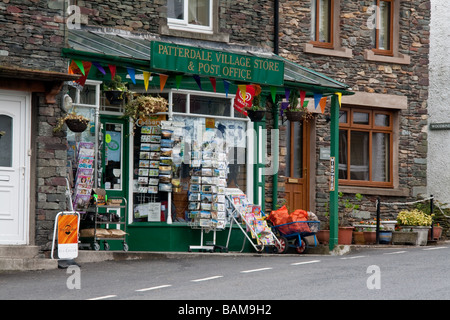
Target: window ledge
{"x": 396, "y": 192}
{"x": 369, "y": 55}
{"x": 194, "y": 34}
{"x": 341, "y": 52}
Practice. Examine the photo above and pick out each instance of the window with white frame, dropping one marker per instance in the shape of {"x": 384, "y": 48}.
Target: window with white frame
{"x": 190, "y": 15}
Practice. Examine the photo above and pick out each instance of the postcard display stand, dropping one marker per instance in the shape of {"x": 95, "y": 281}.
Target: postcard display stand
{"x": 208, "y": 165}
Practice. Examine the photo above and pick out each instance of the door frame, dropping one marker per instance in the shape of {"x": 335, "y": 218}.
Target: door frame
{"x": 24, "y": 165}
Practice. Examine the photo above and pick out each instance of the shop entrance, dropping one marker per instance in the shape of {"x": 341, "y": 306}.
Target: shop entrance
{"x": 115, "y": 155}
{"x": 297, "y": 189}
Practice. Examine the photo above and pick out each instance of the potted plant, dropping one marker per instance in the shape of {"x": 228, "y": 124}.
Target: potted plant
{"x": 74, "y": 121}
{"x": 415, "y": 221}
{"x": 115, "y": 90}
{"x": 358, "y": 235}
{"x": 345, "y": 232}
{"x": 323, "y": 235}
{"x": 256, "y": 112}
{"x": 368, "y": 228}
{"x": 143, "y": 106}
{"x": 437, "y": 232}
{"x": 294, "y": 112}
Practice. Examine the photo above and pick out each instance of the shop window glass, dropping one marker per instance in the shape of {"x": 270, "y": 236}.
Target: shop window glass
{"x": 210, "y": 106}
{"x": 179, "y": 103}
{"x": 6, "y": 145}
{"x": 113, "y": 156}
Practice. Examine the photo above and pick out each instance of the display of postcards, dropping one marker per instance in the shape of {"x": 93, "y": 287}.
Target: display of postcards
{"x": 220, "y": 224}
{"x": 86, "y": 152}
{"x": 146, "y": 130}
{"x": 194, "y": 188}
{"x": 219, "y": 173}
{"x": 206, "y": 206}
{"x": 220, "y": 190}
{"x": 196, "y": 179}
{"x": 145, "y": 138}
{"x": 166, "y": 152}
{"x": 154, "y": 164}
{"x": 166, "y": 143}
{"x": 196, "y": 163}
{"x": 143, "y": 172}
{"x": 207, "y": 155}
{"x": 206, "y": 197}
{"x": 153, "y": 172}
{"x": 153, "y": 181}
{"x": 145, "y": 146}
{"x": 144, "y": 155}
{"x": 207, "y": 180}
{"x": 194, "y": 196}
{"x": 166, "y": 178}
{"x": 194, "y": 214}
{"x": 143, "y": 180}
{"x": 218, "y": 207}
{"x": 206, "y": 189}
{"x": 143, "y": 189}
{"x": 144, "y": 163}
{"x": 220, "y": 198}
{"x": 155, "y": 139}
{"x": 222, "y": 183}
{"x": 165, "y": 187}
{"x": 205, "y": 215}
{"x": 221, "y": 156}
{"x": 166, "y": 161}
{"x": 194, "y": 206}
{"x": 196, "y": 172}
{"x": 166, "y": 134}
{"x": 156, "y": 130}
{"x": 221, "y": 215}
{"x": 155, "y": 147}
{"x": 153, "y": 189}
{"x": 165, "y": 169}
{"x": 207, "y": 172}
{"x": 154, "y": 155}
{"x": 85, "y": 162}
{"x": 222, "y": 165}
{"x": 205, "y": 223}
{"x": 206, "y": 163}
{"x": 196, "y": 155}
{"x": 84, "y": 180}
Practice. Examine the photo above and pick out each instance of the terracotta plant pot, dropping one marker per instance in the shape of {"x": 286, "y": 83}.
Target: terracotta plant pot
{"x": 345, "y": 235}
{"x": 323, "y": 236}
{"x": 437, "y": 233}
{"x": 370, "y": 237}
{"x": 358, "y": 237}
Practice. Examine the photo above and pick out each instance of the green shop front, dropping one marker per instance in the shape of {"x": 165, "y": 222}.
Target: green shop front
{"x": 200, "y": 143}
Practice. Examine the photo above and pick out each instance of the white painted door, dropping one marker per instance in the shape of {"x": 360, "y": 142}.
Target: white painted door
{"x": 14, "y": 167}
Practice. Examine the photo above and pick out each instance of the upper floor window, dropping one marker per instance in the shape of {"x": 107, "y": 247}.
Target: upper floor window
{"x": 366, "y": 147}
{"x": 322, "y": 14}
{"x": 190, "y": 14}
{"x": 383, "y": 33}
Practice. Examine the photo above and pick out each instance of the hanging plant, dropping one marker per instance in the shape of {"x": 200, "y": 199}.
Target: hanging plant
{"x": 143, "y": 106}
{"x": 115, "y": 90}
{"x": 257, "y": 111}
{"x": 296, "y": 112}
{"x": 74, "y": 121}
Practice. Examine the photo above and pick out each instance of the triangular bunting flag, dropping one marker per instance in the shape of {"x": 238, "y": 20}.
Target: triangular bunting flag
{"x": 112, "y": 68}
{"x": 213, "y": 82}
{"x": 287, "y": 93}
{"x": 339, "y": 94}
{"x": 257, "y": 89}
{"x": 162, "y": 81}
{"x": 79, "y": 63}
{"x": 178, "y": 79}
{"x": 323, "y": 104}
{"x": 132, "y": 74}
{"x": 317, "y": 97}
{"x": 74, "y": 68}
{"x": 226, "y": 87}
{"x": 146, "y": 79}
{"x": 273, "y": 91}
{"x": 302, "y": 97}
{"x": 99, "y": 67}
{"x": 197, "y": 79}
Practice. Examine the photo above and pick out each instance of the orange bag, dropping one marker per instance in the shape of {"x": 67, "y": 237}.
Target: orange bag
{"x": 278, "y": 217}
{"x": 298, "y": 215}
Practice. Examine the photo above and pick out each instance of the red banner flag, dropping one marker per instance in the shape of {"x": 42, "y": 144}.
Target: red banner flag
{"x": 241, "y": 102}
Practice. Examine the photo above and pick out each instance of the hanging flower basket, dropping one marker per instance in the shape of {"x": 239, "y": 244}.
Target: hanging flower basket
{"x": 256, "y": 115}
{"x": 76, "y": 125}
{"x": 114, "y": 97}
{"x": 294, "y": 116}
{"x": 144, "y": 106}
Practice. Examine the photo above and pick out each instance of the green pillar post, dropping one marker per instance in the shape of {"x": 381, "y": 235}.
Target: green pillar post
{"x": 334, "y": 160}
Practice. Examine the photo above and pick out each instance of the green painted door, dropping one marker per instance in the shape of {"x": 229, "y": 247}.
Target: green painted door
{"x": 115, "y": 166}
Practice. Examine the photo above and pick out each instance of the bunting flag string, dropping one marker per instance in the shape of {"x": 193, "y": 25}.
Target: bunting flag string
{"x": 112, "y": 68}
{"x": 213, "y": 83}
{"x": 273, "y": 92}
{"x": 78, "y": 67}
{"x": 79, "y": 63}
{"x": 339, "y": 94}
{"x": 99, "y": 67}
{"x": 162, "y": 81}
{"x": 317, "y": 98}
{"x": 302, "y": 97}
{"x": 197, "y": 79}
{"x": 323, "y": 104}
{"x": 226, "y": 87}
{"x": 146, "y": 79}
{"x": 132, "y": 74}
{"x": 243, "y": 90}
{"x": 178, "y": 79}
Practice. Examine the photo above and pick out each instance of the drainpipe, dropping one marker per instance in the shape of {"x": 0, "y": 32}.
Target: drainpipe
{"x": 334, "y": 155}
{"x": 275, "y": 141}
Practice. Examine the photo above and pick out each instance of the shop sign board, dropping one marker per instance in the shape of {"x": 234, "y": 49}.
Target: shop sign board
{"x": 66, "y": 228}
{"x": 218, "y": 64}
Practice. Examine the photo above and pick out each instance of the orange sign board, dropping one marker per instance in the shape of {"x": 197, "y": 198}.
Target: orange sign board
{"x": 67, "y": 236}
